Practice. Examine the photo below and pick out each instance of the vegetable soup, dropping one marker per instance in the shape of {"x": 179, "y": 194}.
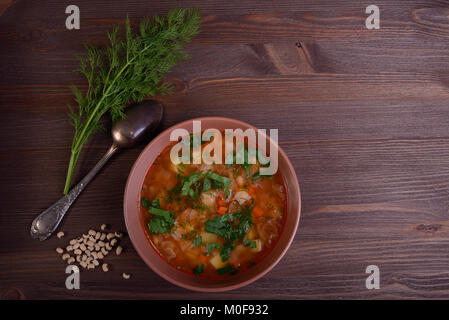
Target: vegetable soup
{"x": 212, "y": 220}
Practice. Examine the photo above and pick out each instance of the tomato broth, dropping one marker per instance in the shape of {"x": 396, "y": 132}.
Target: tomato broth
{"x": 212, "y": 220}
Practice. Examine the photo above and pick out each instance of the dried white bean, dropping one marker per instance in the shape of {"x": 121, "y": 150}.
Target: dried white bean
{"x": 119, "y": 250}
{"x": 59, "y": 250}
{"x": 60, "y": 234}
{"x": 103, "y": 227}
{"x": 126, "y": 276}
{"x": 105, "y": 267}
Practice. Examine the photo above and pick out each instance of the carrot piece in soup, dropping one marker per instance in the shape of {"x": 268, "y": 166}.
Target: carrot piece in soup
{"x": 222, "y": 210}
{"x": 221, "y": 202}
{"x": 252, "y": 191}
{"x": 257, "y": 211}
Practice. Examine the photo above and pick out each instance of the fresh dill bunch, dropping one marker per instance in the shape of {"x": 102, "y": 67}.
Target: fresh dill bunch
{"x": 128, "y": 69}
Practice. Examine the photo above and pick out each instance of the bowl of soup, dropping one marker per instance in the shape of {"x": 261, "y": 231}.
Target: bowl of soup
{"x": 207, "y": 217}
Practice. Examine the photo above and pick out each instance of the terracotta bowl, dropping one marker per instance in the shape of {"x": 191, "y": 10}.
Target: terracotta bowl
{"x": 154, "y": 261}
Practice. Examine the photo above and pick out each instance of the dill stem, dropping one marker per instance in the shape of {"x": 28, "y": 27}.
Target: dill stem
{"x": 79, "y": 143}
{"x": 70, "y": 170}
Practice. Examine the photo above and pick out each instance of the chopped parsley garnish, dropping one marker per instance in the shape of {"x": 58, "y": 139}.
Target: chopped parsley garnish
{"x": 187, "y": 184}
{"x": 197, "y": 242}
{"x": 227, "y": 227}
{"x": 211, "y": 246}
{"x": 227, "y": 269}
{"x": 199, "y": 269}
{"x": 255, "y": 176}
{"x": 162, "y": 220}
{"x": 206, "y": 184}
{"x": 246, "y": 242}
{"x": 225, "y": 251}
{"x": 225, "y": 182}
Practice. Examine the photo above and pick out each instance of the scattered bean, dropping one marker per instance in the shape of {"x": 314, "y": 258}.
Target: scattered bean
{"x": 60, "y": 234}
{"x": 126, "y": 275}
{"x": 119, "y": 250}
{"x": 59, "y": 250}
{"x": 105, "y": 267}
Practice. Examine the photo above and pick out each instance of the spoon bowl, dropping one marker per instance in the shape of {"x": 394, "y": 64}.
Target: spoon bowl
{"x": 141, "y": 119}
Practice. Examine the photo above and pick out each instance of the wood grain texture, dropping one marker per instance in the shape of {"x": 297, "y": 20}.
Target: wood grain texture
{"x": 363, "y": 116}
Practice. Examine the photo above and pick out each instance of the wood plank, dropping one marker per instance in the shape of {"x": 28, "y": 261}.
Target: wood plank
{"x": 362, "y": 115}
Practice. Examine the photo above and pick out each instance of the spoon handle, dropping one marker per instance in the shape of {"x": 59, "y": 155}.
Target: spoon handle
{"x": 47, "y": 222}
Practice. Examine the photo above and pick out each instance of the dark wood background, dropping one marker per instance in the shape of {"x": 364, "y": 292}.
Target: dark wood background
{"x": 363, "y": 116}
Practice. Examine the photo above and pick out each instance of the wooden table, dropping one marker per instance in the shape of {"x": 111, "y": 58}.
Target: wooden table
{"x": 363, "y": 115}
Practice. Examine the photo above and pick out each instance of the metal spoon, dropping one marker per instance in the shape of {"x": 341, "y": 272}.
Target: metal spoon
{"x": 140, "y": 120}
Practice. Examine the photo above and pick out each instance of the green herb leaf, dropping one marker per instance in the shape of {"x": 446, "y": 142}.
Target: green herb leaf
{"x": 206, "y": 184}
{"x": 212, "y": 246}
{"x": 187, "y": 184}
{"x": 225, "y": 251}
{"x": 199, "y": 269}
{"x": 156, "y": 203}
{"x": 224, "y": 180}
{"x": 162, "y": 220}
{"x": 227, "y": 269}
{"x": 146, "y": 202}
{"x": 197, "y": 242}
